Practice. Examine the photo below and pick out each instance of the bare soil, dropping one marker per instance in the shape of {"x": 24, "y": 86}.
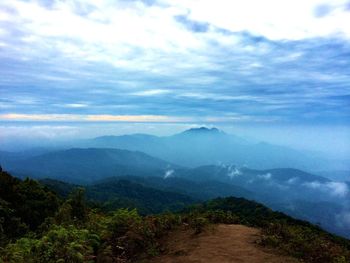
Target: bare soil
{"x": 222, "y": 244}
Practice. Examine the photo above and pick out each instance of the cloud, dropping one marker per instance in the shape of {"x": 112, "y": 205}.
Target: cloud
{"x": 75, "y": 105}
{"x": 168, "y": 173}
{"x": 152, "y": 92}
{"x": 26, "y": 134}
{"x": 212, "y": 96}
{"x": 93, "y": 118}
{"x": 292, "y": 180}
{"x": 343, "y": 219}
{"x": 188, "y": 60}
{"x": 337, "y": 189}
{"x": 40, "y": 117}
{"x": 233, "y": 171}
{"x": 266, "y": 176}
{"x": 194, "y": 26}
{"x": 140, "y": 118}
{"x": 114, "y": 118}
{"x": 272, "y": 18}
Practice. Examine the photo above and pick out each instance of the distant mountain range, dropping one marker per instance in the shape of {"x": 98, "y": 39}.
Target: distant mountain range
{"x": 204, "y": 146}
{"x": 87, "y": 165}
{"x": 197, "y": 147}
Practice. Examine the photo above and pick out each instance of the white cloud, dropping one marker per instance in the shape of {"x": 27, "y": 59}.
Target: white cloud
{"x": 152, "y": 92}
{"x": 233, "y": 171}
{"x": 216, "y": 96}
{"x": 313, "y": 185}
{"x": 16, "y": 132}
{"x": 117, "y": 118}
{"x": 91, "y": 118}
{"x": 273, "y": 19}
{"x": 76, "y": 105}
{"x": 266, "y": 176}
{"x": 109, "y": 33}
{"x": 103, "y": 53}
{"x": 138, "y": 36}
{"x": 338, "y": 189}
{"x": 343, "y": 219}
{"x": 292, "y": 180}
{"x": 168, "y": 173}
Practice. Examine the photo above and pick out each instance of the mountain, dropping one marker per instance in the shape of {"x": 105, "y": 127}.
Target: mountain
{"x": 115, "y": 193}
{"x": 120, "y": 193}
{"x": 201, "y": 146}
{"x": 204, "y": 146}
{"x": 6, "y": 156}
{"x": 62, "y": 189}
{"x": 295, "y": 192}
{"x": 336, "y": 175}
{"x": 283, "y": 184}
{"x": 202, "y": 130}
{"x": 325, "y": 214}
{"x": 229, "y": 173}
{"x": 150, "y": 194}
{"x": 198, "y": 190}
{"x": 88, "y": 165}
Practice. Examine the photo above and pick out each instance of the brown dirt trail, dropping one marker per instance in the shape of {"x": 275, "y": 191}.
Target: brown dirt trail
{"x": 223, "y": 244}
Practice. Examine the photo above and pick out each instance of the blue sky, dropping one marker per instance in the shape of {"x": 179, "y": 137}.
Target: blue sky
{"x": 240, "y": 63}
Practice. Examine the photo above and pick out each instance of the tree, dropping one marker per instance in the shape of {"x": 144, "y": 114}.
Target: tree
{"x": 77, "y": 202}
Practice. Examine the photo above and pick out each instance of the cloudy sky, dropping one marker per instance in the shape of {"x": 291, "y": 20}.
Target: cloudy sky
{"x": 258, "y": 63}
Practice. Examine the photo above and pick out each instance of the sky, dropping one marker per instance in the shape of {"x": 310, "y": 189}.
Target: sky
{"x": 274, "y": 70}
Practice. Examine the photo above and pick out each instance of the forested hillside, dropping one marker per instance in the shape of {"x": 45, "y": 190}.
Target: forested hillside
{"x": 38, "y": 226}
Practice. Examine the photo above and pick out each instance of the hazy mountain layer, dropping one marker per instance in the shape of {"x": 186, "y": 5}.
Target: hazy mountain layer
{"x": 202, "y": 146}
{"x": 87, "y": 165}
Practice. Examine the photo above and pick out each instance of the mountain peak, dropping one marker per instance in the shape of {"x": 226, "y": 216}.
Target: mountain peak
{"x": 202, "y": 130}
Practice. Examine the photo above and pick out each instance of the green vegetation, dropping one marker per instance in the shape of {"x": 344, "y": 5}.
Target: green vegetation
{"x": 38, "y": 226}
{"x": 114, "y": 194}
{"x": 24, "y": 205}
{"x": 117, "y": 193}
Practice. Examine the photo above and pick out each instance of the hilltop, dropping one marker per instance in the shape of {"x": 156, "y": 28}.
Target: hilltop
{"x": 220, "y": 243}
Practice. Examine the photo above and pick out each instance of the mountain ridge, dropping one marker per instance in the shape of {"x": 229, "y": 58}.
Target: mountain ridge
{"x": 87, "y": 165}
{"x": 203, "y": 146}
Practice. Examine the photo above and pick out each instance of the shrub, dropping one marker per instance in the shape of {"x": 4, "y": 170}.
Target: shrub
{"x": 60, "y": 244}
{"x": 304, "y": 242}
{"x": 123, "y": 220}
{"x": 198, "y": 223}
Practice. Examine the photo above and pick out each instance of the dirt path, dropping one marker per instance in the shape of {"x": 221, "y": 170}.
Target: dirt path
{"x": 223, "y": 244}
